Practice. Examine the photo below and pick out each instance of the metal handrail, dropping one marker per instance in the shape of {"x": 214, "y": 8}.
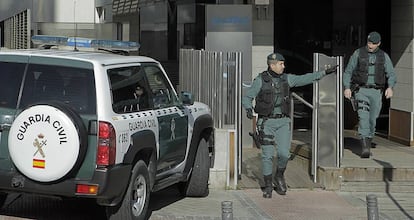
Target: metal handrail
{"x": 301, "y": 100}
{"x": 292, "y": 107}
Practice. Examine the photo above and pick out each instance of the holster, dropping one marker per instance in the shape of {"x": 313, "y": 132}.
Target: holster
{"x": 354, "y": 103}
{"x": 256, "y": 139}
{"x": 354, "y": 89}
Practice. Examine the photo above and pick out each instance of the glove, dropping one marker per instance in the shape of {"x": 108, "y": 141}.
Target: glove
{"x": 331, "y": 70}
{"x": 249, "y": 113}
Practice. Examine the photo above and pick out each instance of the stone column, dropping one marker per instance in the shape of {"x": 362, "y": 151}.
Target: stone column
{"x": 402, "y": 104}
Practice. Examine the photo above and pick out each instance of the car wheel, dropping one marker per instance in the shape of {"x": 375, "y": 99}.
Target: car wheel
{"x": 134, "y": 206}
{"x": 197, "y": 185}
{"x": 48, "y": 142}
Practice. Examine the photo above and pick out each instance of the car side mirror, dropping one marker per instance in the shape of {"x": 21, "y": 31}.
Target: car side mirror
{"x": 187, "y": 98}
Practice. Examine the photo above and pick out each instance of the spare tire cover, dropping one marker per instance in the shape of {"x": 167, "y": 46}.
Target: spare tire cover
{"x": 44, "y": 143}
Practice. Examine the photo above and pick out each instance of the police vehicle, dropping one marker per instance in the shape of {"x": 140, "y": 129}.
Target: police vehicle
{"x": 76, "y": 123}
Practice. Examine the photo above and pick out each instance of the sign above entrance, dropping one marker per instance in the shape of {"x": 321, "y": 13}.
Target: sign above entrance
{"x": 228, "y": 18}
{"x": 261, "y": 2}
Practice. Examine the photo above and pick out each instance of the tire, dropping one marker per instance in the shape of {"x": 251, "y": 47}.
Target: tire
{"x": 134, "y": 206}
{"x": 197, "y": 185}
{"x": 3, "y": 197}
{"x": 48, "y": 142}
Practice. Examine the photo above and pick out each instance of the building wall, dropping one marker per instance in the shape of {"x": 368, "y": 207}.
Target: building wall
{"x": 60, "y": 17}
{"x": 153, "y": 30}
{"x": 262, "y": 22}
{"x": 51, "y": 10}
{"x": 402, "y": 54}
{"x": 402, "y": 104}
{"x": 78, "y": 11}
{"x": 9, "y": 8}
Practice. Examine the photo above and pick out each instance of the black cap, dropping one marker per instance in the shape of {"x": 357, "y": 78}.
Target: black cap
{"x": 276, "y": 56}
{"x": 374, "y": 37}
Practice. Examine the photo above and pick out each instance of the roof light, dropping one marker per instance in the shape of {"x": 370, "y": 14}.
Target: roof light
{"x": 85, "y": 42}
{"x": 79, "y": 42}
{"x": 49, "y": 40}
{"x": 114, "y": 44}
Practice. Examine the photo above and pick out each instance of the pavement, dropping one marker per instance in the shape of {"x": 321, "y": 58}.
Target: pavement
{"x": 248, "y": 204}
{"x": 304, "y": 200}
{"x": 298, "y": 204}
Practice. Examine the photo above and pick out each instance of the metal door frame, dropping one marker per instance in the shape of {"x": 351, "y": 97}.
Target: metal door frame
{"x": 316, "y": 160}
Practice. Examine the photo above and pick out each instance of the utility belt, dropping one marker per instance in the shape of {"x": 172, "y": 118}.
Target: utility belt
{"x": 259, "y": 137}
{"x": 371, "y": 87}
{"x": 274, "y": 116}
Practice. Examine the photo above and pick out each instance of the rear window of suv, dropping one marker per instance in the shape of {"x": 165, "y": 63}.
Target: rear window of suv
{"x": 11, "y": 77}
{"x": 74, "y": 86}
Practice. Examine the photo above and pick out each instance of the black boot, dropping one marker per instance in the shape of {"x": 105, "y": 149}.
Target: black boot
{"x": 267, "y": 192}
{"x": 366, "y": 147}
{"x": 373, "y": 145}
{"x": 280, "y": 182}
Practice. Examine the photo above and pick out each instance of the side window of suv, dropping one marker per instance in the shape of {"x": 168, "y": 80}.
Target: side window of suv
{"x": 162, "y": 93}
{"x": 129, "y": 89}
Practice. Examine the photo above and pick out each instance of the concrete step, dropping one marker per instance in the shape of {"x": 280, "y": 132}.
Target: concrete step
{"x": 383, "y": 186}
{"x": 389, "y": 174}
{"x": 332, "y": 178}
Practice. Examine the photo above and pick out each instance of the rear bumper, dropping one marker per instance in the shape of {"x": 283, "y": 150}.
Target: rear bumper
{"x": 112, "y": 183}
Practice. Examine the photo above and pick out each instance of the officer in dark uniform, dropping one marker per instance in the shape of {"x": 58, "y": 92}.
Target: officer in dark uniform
{"x": 271, "y": 91}
{"x": 368, "y": 74}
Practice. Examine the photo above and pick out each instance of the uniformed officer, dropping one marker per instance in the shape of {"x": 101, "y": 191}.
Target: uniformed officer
{"x": 271, "y": 91}
{"x": 368, "y": 74}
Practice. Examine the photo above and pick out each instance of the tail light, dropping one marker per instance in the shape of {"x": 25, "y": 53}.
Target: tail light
{"x": 86, "y": 189}
{"x": 106, "y": 145}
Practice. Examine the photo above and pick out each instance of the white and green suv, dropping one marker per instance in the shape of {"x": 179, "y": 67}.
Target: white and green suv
{"x": 99, "y": 125}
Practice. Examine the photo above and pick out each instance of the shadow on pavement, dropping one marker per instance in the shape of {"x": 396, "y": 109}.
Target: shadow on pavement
{"x": 352, "y": 144}
{"x": 52, "y": 208}
{"x": 164, "y": 198}
{"x": 387, "y": 177}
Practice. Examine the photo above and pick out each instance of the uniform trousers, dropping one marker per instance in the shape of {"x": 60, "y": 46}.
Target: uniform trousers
{"x": 276, "y": 131}
{"x": 369, "y": 107}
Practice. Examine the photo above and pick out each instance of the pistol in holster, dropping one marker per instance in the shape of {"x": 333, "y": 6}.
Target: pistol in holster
{"x": 354, "y": 89}
{"x": 256, "y": 139}
{"x": 354, "y": 103}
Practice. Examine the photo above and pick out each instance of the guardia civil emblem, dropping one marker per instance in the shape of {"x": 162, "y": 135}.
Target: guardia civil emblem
{"x": 39, "y": 143}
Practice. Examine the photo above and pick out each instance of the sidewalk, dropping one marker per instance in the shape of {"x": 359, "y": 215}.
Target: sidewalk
{"x": 248, "y": 204}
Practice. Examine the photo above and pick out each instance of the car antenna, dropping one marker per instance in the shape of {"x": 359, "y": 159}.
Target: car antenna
{"x": 75, "y": 25}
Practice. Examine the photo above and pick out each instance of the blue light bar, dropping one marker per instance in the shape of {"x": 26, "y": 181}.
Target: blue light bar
{"x": 85, "y": 42}
{"x": 49, "y": 40}
{"x": 79, "y": 42}
{"x": 115, "y": 44}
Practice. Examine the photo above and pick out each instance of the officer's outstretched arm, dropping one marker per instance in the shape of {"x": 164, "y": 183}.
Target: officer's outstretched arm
{"x": 331, "y": 69}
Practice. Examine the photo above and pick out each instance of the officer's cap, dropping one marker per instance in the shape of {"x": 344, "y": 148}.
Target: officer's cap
{"x": 275, "y": 56}
{"x": 374, "y": 37}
